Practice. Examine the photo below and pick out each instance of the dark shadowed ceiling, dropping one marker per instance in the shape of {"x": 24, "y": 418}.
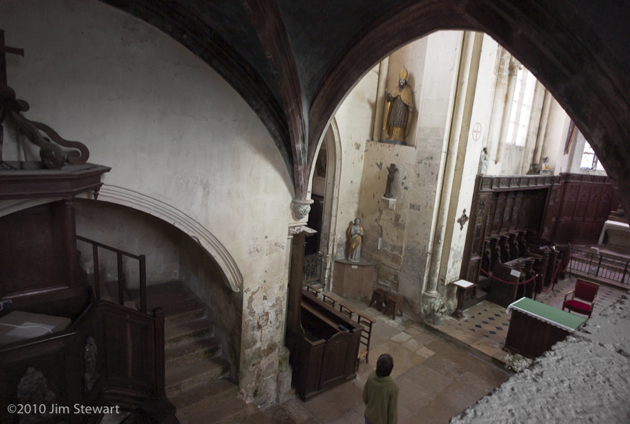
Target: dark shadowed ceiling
{"x": 293, "y": 61}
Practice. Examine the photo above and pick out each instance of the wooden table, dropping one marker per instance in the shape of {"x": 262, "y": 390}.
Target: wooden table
{"x": 462, "y": 286}
{"x": 536, "y": 327}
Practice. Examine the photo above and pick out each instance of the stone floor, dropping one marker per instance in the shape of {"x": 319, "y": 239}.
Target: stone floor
{"x": 440, "y": 370}
{"x": 437, "y": 379}
{"x": 484, "y": 326}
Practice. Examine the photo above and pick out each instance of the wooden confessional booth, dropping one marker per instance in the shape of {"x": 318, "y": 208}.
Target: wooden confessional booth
{"x": 521, "y": 228}
{"x": 324, "y": 343}
{"x": 60, "y": 346}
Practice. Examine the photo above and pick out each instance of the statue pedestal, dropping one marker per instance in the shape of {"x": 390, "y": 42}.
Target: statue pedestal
{"x": 390, "y": 202}
{"x": 353, "y": 279}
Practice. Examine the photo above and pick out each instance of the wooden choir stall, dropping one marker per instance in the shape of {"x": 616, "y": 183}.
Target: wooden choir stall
{"x": 520, "y": 227}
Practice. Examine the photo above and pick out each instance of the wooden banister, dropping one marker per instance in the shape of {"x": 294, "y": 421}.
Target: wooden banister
{"x": 120, "y": 269}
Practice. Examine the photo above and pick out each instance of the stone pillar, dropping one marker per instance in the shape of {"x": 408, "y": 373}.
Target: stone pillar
{"x": 505, "y": 123}
{"x": 542, "y": 129}
{"x": 457, "y": 143}
{"x": 383, "y": 69}
{"x": 498, "y": 104}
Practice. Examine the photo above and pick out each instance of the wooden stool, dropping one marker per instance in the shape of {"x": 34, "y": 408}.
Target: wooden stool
{"x": 394, "y": 305}
{"x": 379, "y": 296}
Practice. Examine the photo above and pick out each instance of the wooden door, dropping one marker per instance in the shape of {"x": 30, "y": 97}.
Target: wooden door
{"x": 335, "y": 360}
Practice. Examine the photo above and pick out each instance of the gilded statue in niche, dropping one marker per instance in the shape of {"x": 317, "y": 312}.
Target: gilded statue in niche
{"x": 398, "y": 110}
{"x": 355, "y": 240}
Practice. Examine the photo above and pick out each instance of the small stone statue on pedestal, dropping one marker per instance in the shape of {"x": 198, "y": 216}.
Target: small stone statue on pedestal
{"x": 390, "y": 180}
{"x": 355, "y": 240}
{"x": 483, "y": 162}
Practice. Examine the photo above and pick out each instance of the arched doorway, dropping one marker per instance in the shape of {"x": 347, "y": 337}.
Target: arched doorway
{"x": 320, "y": 249}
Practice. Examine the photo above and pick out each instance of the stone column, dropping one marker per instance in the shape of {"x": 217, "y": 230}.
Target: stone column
{"x": 505, "y": 123}
{"x": 383, "y": 69}
{"x": 542, "y": 130}
{"x": 457, "y": 141}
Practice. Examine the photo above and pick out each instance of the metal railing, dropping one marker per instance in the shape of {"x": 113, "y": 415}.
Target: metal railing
{"x": 600, "y": 266}
{"x": 312, "y": 267}
{"x": 121, "y": 272}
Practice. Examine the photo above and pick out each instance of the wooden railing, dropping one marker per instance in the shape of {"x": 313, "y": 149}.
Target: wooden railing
{"x": 312, "y": 267}
{"x": 121, "y": 272}
{"x": 118, "y": 350}
{"x": 599, "y": 266}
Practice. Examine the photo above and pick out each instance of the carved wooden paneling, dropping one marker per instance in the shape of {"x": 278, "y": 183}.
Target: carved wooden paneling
{"x": 473, "y": 270}
{"x": 39, "y": 256}
{"x": 498, "y": 213}
{"x": 564, "y": 208}
{"x": 502, "y": 204}
{"x": 508, "y": 212}
{"x": 129, "y": 351}
{"x": 584, "y": 205}
{"x": 334, "y": 370}
{"x": 593, "y": 204}
{"x": 479, "y": 221}
{"x": 569, "y": 202}
{"x": 517, "y": 216}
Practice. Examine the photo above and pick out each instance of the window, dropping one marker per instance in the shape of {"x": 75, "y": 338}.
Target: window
{"x": 589, "y": 159}
{"x": 521, "y": 107}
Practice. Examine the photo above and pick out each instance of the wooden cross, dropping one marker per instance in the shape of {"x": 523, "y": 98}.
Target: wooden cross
{"x": 3, "y": 59}
{"x": 3, "y": 75}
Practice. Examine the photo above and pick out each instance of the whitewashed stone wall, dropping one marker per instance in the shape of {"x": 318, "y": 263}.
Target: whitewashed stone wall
{"x": 172, "y": 130}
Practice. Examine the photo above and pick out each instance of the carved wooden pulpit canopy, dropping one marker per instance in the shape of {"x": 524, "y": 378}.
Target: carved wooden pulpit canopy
{"x": 63, "y": 170}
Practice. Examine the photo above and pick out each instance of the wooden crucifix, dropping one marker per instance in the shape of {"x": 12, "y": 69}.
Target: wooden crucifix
{"x": 3, "y": 80}
{"x": 3, "y": 58}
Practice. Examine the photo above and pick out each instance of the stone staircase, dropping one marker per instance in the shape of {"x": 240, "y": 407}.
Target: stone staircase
{"x": 197, "y": 374}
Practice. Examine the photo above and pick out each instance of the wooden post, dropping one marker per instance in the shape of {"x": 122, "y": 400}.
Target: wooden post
{"x": 160, "y": 384}
{"x": 143, "y": 284}
{"x": 295, "y": 284}
{"x": 97, "y": 276}
{"x": 121, "y": 279}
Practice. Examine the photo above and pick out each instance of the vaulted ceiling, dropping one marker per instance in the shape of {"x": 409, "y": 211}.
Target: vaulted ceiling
{"x": 293, "y": 61}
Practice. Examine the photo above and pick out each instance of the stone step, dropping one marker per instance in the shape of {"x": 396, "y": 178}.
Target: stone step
{"x": 181, "y": 312}
{"x": 160, "y": 295}
{"x": 187, "y": 377}
{"x": 191, "y": 352}
{"x": 109, "y": 291}
{"x": 179, "y": 334}
{"x": 229, "y": 411}
{"x": 210, "y": 393}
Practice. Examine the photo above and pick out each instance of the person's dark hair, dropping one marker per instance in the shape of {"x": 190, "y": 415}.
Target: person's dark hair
{"x": 384, "y": 365}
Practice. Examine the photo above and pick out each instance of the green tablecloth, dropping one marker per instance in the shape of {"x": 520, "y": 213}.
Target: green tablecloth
{"x": 553, "y": 316}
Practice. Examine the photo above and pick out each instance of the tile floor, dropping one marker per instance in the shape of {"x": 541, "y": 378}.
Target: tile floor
{"x": 437, "y": 379}
{"x": 484, "y": 326}
{"x": 440, "y": 370}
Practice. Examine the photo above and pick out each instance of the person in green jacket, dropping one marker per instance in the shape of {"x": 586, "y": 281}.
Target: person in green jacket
{"x": 380, "y": 393}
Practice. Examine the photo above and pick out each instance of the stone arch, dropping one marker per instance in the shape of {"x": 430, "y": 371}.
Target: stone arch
{"x": 581, "y": 73}
{"x": 332, "y": 140}
{"x": 183, "y": 222}
{"x": 165, "y": 212}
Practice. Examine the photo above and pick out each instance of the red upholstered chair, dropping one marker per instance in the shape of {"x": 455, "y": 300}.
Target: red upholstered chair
{"x": 582, "y": 298}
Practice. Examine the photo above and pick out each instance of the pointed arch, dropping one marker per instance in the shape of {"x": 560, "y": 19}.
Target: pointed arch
{"x": 180, "y": 220}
